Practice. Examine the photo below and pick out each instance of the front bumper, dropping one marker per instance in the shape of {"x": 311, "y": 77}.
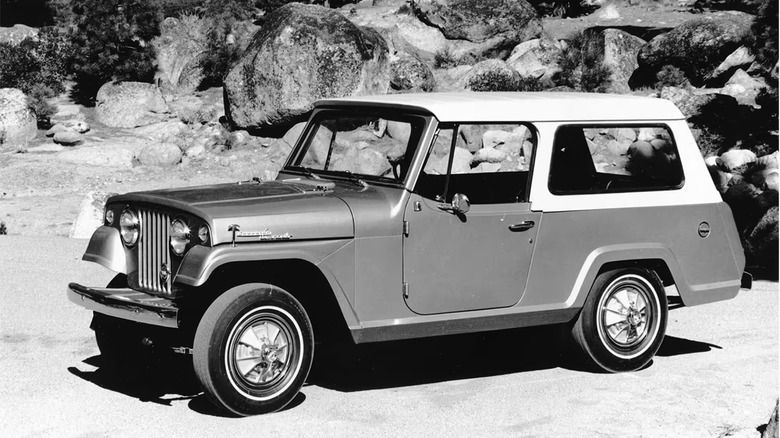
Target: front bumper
{"x": 126, "y": 304}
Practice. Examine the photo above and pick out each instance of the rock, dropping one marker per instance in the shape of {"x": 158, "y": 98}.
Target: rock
{"x": 303, "y": 53}
{"x": 160, "y": 155}
{"x": 17, "y": 123}
{"x": 68, "y": 138}
{"x": 90, "y": 215}
{"x": 409, "y": 73}
{"x": 399, "y": 130}
{"x": 735, "y": 158}
{"x": 192, "y": 109}
{"x": 744, "y": 88}
{"x": 59, "y": 127}
{"x": 17, "y": 33}
{"x": 697, "y": 47}
{"x": 609, "y": 12}
{"x": 766, "y": 179}
{"x": 102, "y": 155}
{"x": 160, "y": 131}
{"x": 691, "y": 104}
{"x": 620, "y": 53}
{"x": 461, "y": 161}
{"x": 492, "y": 75}
{"x": 720, "y": 178}
{"x": 129, "y": 104}
{"x": 452, "y": 79}
{"x": 739, "y": 59}
{"x": 488, "y": 155}
{"x": 292, "y": 135}
{"x": 502, "y": 23}
{"x": 761, "y": 247}
{"x": 537, "y": 58}
{"x": 366, "y": 161}
{"x": 180, "y": 49}
{"x": 768, "y": 161}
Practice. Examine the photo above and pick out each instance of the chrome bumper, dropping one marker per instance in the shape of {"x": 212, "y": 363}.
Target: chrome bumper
{"x": 126, "y": 304}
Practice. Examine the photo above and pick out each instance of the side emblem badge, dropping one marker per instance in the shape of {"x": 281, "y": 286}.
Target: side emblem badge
{"x": 704, "y": 229}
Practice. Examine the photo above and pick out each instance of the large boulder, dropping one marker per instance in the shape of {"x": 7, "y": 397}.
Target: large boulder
{"x": 410, "y": 74}
{"x": 160, "y": 155}
{"x": 17, "y": 33}
{"x": 180, "y": 48}
{"x": 303, "y": 53}
{"x": 697, "y": 47}
{"x": 744, "y": 88}
{"x": 17, "y": 123}
{"x": 130, "y": 104}
{"x": 501, "y": 23}
{"x": 536, "y": 59}
{"x": 620, "y": 56}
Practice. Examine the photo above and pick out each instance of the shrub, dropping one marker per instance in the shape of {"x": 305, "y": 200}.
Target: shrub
{"x": 582, "y": 66}
{"x": 219, "y": 55}
{"x": 3, "y": 229}
{"x": 112, "y": 43}
{"x": 493, "y": 81}
{"x": 444, "y": 58}
{"x": 671, "y": 76}
{"x": 763, "y": 40}
{"x": 37, "y": 101}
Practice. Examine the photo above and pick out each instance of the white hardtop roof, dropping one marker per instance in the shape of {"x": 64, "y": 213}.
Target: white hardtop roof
{"x": 521, "y": 106}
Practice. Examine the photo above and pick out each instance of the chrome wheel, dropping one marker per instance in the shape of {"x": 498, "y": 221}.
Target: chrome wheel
{"x": 263, "y": 352}
{"x": 623, "y": 320}
{"x": 628, "y": 315}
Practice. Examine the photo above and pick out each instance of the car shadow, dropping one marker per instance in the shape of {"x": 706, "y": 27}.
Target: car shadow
{"x": 393, "y": 364}
{"x": 673, "y": 346}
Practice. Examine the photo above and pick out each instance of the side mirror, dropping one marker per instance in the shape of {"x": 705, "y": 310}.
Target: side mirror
{"x": 460, "y": 204}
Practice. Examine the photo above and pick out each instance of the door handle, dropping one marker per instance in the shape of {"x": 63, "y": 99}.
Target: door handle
{"x": 522, "y": 226}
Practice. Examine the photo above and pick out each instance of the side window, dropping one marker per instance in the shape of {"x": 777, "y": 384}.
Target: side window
{"x": 603, "y": 159}
{"x": 489, "y": 163}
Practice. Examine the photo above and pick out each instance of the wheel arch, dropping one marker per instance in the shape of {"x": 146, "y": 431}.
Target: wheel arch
{"x": 320, "y": 294}
{"x": 653, "y": 256}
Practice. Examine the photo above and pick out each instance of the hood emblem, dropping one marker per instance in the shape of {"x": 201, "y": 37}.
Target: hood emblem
{"x": 265, "y": 235}
{"x": 235, "y": 228}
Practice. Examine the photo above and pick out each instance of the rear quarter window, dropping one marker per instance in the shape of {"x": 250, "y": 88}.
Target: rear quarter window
{"x": 614, "y": 158}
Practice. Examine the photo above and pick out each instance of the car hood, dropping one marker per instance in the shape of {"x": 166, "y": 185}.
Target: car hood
{"x": 292, "y": 209}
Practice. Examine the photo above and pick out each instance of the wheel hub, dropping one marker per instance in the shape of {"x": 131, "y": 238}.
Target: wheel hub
{"x": 624, "y": 316}
{"x": 261, "y": 353}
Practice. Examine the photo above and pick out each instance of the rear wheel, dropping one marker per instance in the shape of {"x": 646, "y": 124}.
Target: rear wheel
{"x": 623, "y": 322}
{"x": 253, "y": 349}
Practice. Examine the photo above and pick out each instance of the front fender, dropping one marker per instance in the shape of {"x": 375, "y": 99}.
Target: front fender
{"x": 106, "y": 249}
{"x": 335, "y": 259}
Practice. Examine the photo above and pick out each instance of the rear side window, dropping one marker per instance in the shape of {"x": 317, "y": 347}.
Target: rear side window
{"x": 604, "y": 159}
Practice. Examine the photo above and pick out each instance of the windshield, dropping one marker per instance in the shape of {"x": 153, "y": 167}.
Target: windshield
{"x": 376, "y": 146}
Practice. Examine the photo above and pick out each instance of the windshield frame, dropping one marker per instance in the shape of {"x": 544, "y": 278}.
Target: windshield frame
{"x": 420, "y": 123}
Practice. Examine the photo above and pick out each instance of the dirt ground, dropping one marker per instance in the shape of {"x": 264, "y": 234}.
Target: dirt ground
{"x": 40, "y": 194}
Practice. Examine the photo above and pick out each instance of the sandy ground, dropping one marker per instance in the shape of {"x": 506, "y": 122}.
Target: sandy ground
{"x": 716, "y": 375}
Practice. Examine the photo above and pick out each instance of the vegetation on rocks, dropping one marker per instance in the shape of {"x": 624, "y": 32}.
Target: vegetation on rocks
{"x": 582, "y": 66}
{"x": 111, "y": 42}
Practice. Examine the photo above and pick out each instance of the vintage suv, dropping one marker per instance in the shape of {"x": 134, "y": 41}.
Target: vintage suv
{"x": 407, "y": 216}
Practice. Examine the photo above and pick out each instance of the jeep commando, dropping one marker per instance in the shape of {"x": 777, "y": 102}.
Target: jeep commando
{"x": 417, "y": 215}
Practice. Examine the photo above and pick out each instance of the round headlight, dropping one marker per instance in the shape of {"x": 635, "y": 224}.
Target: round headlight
{"x": 180, "y": 236}
{"x": 109, "y": 217}
{"x": 203, "y": 234}
{"x": 129, "y": 227}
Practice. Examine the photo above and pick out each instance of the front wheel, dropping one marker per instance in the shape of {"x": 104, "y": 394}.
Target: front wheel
{"x": 622, "y": 324}
{"x": 253, "y": 349}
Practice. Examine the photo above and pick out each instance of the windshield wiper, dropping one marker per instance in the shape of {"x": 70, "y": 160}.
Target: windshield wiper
{"x": 306, "y": 171}
{"x": 352, "y": 178}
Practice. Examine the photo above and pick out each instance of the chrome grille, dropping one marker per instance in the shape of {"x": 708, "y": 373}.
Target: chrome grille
{"x": 153, "y": 252}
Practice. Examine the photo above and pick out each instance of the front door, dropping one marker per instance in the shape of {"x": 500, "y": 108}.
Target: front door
{"x": 478, "y": 259}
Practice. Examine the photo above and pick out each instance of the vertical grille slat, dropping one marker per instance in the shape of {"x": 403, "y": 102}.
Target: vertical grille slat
{"x": 153, "y": 251}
